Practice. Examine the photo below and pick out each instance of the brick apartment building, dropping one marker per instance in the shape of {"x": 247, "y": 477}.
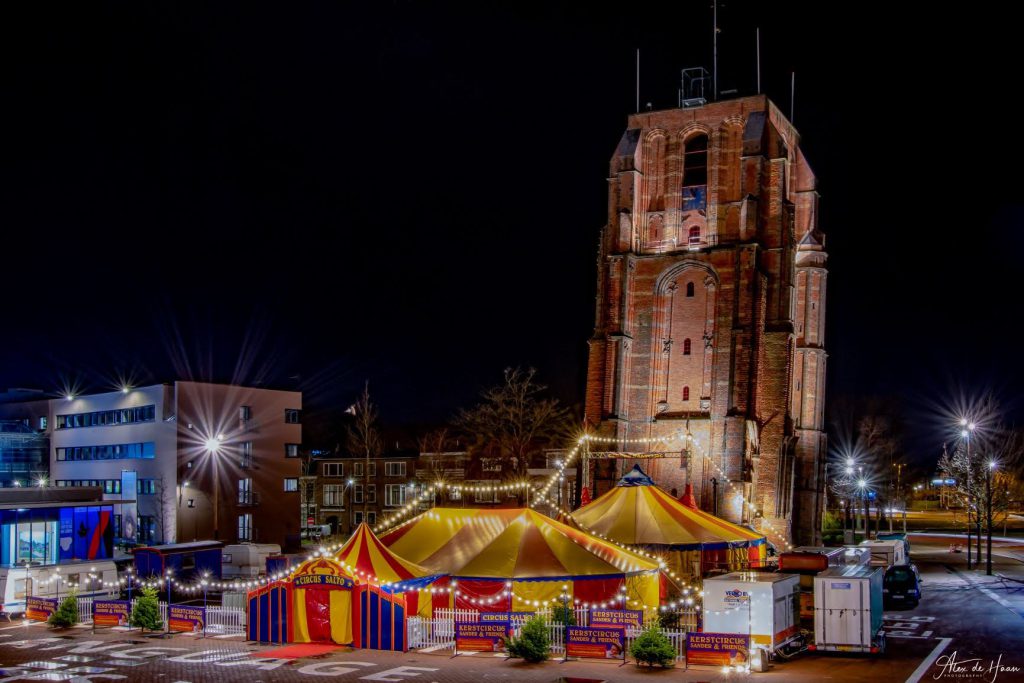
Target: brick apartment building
{"x": 711, "y": 311}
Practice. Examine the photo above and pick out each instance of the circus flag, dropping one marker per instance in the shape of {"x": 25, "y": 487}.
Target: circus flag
{"x": 688, "y": 499}
{"x": 585, "y": 496}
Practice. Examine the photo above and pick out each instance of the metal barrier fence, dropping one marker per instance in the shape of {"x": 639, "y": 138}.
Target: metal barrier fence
{"x": 438, "y": 632}
{"x": 219, "y": 620}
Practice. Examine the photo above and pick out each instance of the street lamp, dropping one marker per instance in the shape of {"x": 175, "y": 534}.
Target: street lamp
{"x": 968, "y": 428}
{"x": 861, "y": 484}
{"x": 988, "y": 515}
{"x": 213, "y": 447}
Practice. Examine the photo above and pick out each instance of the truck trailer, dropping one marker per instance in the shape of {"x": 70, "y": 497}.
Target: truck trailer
{"x": 764, "y": 606}
{"x": 848, "y": 609}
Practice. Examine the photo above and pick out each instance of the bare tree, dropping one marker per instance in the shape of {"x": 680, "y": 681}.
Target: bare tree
{"x": 513, "y": 421}
{"x": 364, "y": 439}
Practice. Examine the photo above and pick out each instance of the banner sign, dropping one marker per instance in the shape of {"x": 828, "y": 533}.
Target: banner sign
{"x": 716, "y": 649}
{"x": 326, "y": 580}
{"x": 514, "y": 619}
{"x": 626, "y": 618}
{"x": 39, "y": 609}
{"x": 599, "y": 643}
{"x": 183, "y": 618}
{"x": 477, "y": 636}
{"x": 110, "y": 612}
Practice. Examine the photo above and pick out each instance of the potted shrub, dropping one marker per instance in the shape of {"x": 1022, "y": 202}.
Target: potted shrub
{"x": 533, "y": 642}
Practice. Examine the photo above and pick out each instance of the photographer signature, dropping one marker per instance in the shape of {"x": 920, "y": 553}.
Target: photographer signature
{"x": 952, "y": 667}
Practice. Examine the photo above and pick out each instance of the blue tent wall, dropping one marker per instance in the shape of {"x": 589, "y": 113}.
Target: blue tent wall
{"x": 268, "y": 615}
{"x": 383, "y": 620}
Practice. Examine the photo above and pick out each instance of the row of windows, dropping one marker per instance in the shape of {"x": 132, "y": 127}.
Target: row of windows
{"x": 334, "y": 495}
{"x": 145, "y": 487}
{"x": 112, "y": 452}
{"x": 107, "y": 417}
{"x": 337, "y": 469}
{"x": 245, "y": 494}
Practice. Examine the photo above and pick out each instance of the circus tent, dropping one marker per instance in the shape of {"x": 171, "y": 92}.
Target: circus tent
{"x": 519, "y": 560}
{"x": 639, "y": 513}
{"x": 367, "y": 559}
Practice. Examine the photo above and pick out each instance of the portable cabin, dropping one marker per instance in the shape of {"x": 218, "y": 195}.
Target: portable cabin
{"x": 764, "y": 605}
{"x": 246, "y": 560}
{"x": 91, "y": 579}
{"x": 886, "y": 553}
{"x": 848, "y": 609}
{"x": 186, "y": 561}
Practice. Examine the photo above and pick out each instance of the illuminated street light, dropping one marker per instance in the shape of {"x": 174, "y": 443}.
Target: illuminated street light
{"x": 70, "y": 397}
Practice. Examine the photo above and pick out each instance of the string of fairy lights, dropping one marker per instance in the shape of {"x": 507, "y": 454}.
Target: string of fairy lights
{"x": 440, "y": 487}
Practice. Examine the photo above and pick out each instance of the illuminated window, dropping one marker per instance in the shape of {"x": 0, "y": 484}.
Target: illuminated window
{"x": 686, "y": 393}
{"x": 291, "y": 450}
{"x": 245, "y": 527}
{"x": 291, "y": 484}
{"x": 686, "y": 347}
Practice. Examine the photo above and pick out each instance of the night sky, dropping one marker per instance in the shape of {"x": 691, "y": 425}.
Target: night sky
{"x": 310, "y": 195}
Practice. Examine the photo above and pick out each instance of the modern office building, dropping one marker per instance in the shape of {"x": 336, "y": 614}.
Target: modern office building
{"x": 203, "y": 461}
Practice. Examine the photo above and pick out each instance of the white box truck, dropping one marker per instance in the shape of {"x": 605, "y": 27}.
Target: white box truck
{"x": 765, "y": 605}
{"x": 886, "y": 553}
{"x": 848, "y": 609}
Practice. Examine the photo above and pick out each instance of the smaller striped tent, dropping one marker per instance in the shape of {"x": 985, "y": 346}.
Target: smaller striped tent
{"x": 692, "y": 542}
{"x": 370, "y": 561}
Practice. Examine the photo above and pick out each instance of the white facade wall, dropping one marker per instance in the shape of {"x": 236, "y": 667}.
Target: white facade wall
{"x": 162, "y": 432}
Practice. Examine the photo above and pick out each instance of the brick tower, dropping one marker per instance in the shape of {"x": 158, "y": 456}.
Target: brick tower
{"x": 711, "y": 314}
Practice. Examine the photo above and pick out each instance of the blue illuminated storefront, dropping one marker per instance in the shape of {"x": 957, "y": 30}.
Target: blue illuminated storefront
{"x": 48, "y": 534}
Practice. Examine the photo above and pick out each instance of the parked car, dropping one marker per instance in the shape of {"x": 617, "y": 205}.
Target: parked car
{"x": 901, "y": 585}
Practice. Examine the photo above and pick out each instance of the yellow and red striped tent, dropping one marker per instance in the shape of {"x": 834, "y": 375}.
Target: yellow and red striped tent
{"x": 369, "y": 560}
{"x": 519, "y": 559}
{"x": 639, "y": 513}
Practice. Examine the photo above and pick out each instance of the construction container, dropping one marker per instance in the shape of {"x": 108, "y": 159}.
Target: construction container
{"x": 848, "y": 609}
{"x": 763, "y": 605}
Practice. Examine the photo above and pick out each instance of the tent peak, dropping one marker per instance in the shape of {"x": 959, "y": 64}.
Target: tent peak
{"x": 688, "y": 499}
{"x": 635, "y": 477}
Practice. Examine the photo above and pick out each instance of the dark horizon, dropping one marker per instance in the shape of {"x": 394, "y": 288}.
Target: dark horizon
{"x": 412, "y": 195}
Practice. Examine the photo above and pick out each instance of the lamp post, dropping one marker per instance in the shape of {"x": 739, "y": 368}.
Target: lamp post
{"x": 168, "y": 579}
{"x": 565, "y": 622}
{"x": 851, "y": 513}
{"x": 213, "y": 447}
{"x": 861, "y": 485}
{"x": 988, "y": 515}
{"x": 968, "y": 427}
{"x": 204, "y": 584}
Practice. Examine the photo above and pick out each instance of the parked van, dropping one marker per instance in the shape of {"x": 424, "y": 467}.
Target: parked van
{"x": 901, "y": 585}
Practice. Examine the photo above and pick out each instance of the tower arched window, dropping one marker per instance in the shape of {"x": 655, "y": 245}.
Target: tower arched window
{"x": 686, "y": 347}
{"x": 694, "y": 236}
{"x": 686, "y": 393}
{"x": 689, "y": 289}
{"x": 695, "y": 173}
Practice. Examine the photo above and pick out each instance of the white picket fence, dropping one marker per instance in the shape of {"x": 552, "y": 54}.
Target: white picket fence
{"x": 438, "y": 633}
{"x": 219, "y": 620}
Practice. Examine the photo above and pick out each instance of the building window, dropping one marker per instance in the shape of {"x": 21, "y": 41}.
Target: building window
{"x": 694, "y": 236}
{"x": 394, "y": 469}
{"x": 291, "y": 484}
{"x": 291, "y": 450}
{"x": 104, "y": 418}
{"x": 245, "y": 454}
{"x": 357, "y": 493}
{"x": 357, "y": 518}
{"x": 686, "y": 393}
{"x": 147, "y": 528}
{"x": 245, "y": 527}
{"x": 121, "y": 451}
{"x": 334, "y": 495}
{"x": 359, "y": 467}
{"x": 689, "y": 289}
{"x": 695, "y": 161}
{"x": 42, "y": 423}
{"x": 245, "y": 491}
{"x": 334, "y": 469}
{"x": 484, "y": 496}
{"x": 146, "y": 487}
{"x": 292, "y": 415}
{"x": 490, "y": 465}
{"x": 454, "y": 494}
{"x": 394, "y": 494}
{"x": 686, "y": 347}
{"x": 371, "y": 493}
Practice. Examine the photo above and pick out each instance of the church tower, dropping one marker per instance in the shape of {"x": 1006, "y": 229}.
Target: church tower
{"x": 711, "y": 315}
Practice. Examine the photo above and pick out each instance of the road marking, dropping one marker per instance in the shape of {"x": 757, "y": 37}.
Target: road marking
{"x": 929, "y": 660}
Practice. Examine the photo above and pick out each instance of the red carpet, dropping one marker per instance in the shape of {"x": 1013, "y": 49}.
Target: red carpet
{"x": 298, "y": 650}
